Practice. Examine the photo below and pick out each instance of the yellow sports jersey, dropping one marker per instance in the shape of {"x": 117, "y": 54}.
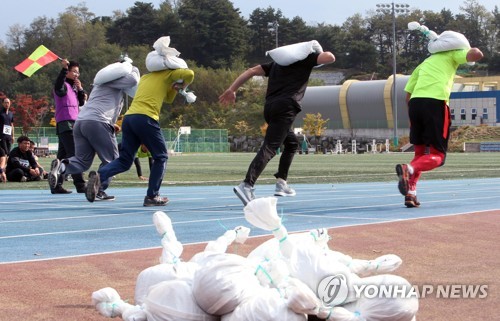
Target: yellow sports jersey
{"x": 156, "y": 88}
{"x": 434, "y": 77}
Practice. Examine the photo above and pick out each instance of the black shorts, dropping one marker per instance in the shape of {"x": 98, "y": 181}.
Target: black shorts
{"x": 429, "y": 123}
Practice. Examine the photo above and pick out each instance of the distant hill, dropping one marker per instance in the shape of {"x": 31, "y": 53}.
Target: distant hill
{"x": 473, "y": 134}
{"x": 463, "y": 134}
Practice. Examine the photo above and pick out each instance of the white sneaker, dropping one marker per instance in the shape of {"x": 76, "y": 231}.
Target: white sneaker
{"x": 282, "y": 189}
{"x": 54, "y": 173}
{"x": 245, "y": 192}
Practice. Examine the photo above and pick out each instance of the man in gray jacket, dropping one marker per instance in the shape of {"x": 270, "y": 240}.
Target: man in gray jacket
{"x": 95, "y": 128}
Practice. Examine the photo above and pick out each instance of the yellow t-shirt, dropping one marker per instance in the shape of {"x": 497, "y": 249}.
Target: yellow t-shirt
{"x": 156, "y": 88}
{"x": 434, "y": 77}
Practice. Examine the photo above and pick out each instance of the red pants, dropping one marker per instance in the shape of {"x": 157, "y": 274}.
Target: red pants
{"x": 424, "y": 161}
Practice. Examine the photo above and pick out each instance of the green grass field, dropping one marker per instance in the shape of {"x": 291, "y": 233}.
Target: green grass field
{"x": 230, "y": 168}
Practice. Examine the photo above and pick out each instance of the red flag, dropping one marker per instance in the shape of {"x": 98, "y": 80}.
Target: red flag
{"x": 39, "y": 58}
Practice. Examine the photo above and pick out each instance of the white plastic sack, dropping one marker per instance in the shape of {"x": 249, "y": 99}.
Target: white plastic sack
{"x": 172, "y": 249}
{"x": 173, "y": 301}
{"x": 112, "y": 72}
{"x": 162, "y": 47}
{"x": 223, "y": 282}
{"x": 238, "y": 235}
{"x": 262, "y": 213}
{"x": 379, "y": 308}
{"x": 109, "y": 304}
{"x": 448, "y": 40}
{"x": 311, "y": 266}
{"x": 300, "y": 298}
{"x": 382, "y": 264}
{"x": 189, "y": 96}
{"x": 287, "y": 55}
{"x": 267, "y": 305}
{"x": 162, "y": 272}
{"x": 157, "y": 62}
{"x": 270, "y": 248}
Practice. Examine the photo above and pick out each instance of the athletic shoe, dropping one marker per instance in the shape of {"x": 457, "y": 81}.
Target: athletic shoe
{"x": 81, "y": 189}
{"x": 102, "y": 196}
{"x": 282, "y": 189}
{"x": 404, "y": 176}
{"x": 54, "y": 173}
{"x": 93, "y": 186}
{"x": 245, "y": 192}
{"x": 23, "y": 179}
{"x": 411, "y": 201}
{"x": 60, "y": 190}
{"x": 155, "y": 201}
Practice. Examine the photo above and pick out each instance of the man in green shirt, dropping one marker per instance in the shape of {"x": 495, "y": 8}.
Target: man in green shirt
{"x": 428, "y": 92}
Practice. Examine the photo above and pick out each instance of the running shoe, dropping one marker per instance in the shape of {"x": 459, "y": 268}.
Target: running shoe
{"x": 102, "y": 196}
{"x": 54, "y": 173}
{"x": 93, "y": 186}
{"x": 404, "y": 176}
{"x": 282, "y": 189}
{"x": 245, "y": 192}
{"x": 155, "y": 201}
{"x": 411, "y": 201}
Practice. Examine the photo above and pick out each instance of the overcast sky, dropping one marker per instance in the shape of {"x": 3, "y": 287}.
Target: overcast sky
{"x": 312, "y": 11}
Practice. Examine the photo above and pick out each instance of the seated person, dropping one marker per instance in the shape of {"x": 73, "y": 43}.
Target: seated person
{"x": 21, "y": 165}
{"x": 32, "y": 149}
{"x": 142, "y": 152}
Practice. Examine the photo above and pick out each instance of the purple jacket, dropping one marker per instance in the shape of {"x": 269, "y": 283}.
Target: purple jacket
{"x": 66, "y": 106}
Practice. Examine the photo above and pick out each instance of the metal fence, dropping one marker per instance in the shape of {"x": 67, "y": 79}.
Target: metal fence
{"x": 197, "y": 141}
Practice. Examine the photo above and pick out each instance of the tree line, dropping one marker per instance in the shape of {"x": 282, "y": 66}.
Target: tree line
{"x": 219, "y": 43}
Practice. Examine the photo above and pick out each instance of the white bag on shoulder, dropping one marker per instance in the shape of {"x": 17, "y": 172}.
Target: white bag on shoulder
{"x": 448, "y": 40}
{"x": 112, "y": 72}
{"x": 287, "y": 55}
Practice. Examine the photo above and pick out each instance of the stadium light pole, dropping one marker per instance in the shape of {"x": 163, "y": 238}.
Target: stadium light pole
{"x": 394, "y": 9}
{"x": 273, "y": 27}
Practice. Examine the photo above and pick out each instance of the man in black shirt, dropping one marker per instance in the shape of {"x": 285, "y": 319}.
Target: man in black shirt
{"x": 285, "y": 89}
{"x": 21, "y": 165}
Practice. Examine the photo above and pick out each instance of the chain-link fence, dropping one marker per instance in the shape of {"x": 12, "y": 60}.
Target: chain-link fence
{"x": 197, "y": 141}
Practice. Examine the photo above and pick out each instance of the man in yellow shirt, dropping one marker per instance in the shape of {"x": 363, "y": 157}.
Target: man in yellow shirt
{"x": 141, "y": 126}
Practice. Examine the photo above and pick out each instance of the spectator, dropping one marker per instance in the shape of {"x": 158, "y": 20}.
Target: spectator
{"x": 3, "y": 163}
{"x": 143, "y": 152}
{"x": 21, "y": 165}
{"x": 32, "y": 149}
{"x": 95, "y": 128}
{"x": 7, "y": 126}
{"x": 68, "y": 97}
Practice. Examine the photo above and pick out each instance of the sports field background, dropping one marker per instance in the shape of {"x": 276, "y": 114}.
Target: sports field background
{"x": 230, "y": 168}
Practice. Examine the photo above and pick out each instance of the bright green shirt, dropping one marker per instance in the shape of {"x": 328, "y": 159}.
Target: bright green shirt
{"x": 434, "y": 77}
{"x": 141, "y": 154}
{"x": 156, "y": 88}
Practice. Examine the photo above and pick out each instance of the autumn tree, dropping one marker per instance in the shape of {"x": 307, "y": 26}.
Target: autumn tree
{"x": 29, "y": 112}
{"x": 314, "y": 124}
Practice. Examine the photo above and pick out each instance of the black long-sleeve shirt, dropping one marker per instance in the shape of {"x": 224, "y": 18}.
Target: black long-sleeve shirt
{"x": 18, "y": 159}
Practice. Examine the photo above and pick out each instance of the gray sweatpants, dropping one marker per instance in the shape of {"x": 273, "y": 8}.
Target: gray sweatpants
{"x": 92, "y": 137}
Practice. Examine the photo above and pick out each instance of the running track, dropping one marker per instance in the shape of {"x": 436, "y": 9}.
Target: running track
{"x": 36, "y": 225}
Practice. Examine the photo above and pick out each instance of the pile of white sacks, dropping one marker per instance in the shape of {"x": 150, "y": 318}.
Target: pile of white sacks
{"x": 278, "y": 280}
